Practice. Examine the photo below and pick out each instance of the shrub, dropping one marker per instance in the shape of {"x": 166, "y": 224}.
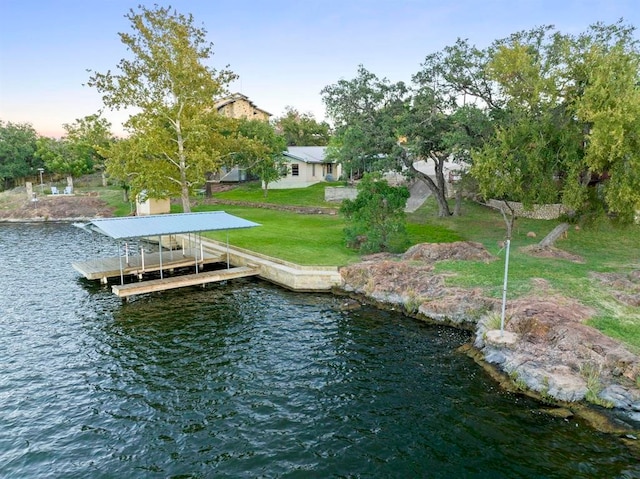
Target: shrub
{"x": 376, "y": 219}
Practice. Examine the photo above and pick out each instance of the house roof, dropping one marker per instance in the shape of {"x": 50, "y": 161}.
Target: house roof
{"x": 156, "y": 225}
{"x": 235, "y": 97}
{"x": 307, "y": 154}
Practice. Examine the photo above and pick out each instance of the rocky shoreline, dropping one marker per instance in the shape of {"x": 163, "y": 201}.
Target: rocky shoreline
{"x": 545, "y": 348}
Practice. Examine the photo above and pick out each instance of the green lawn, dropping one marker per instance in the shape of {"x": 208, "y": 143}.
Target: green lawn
{"x": 310, "y": 196}
{"x": 604, "y": 247}
{"x": 305, "y": 239}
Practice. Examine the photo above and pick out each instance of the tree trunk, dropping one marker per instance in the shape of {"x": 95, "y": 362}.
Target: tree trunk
{"x": 458, "y": 208}
{"x": 551, "y": 238}
{"x": 438, "y": 193}
{"x": 182, "y": 161}
{"x": 443, "y": 205}
{"x": 208, "y": 189}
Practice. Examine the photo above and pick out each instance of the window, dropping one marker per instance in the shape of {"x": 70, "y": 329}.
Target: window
{"x": 313, "y": 170}
{"x": 295, "y": 170}
{"x": 329, "y": 168}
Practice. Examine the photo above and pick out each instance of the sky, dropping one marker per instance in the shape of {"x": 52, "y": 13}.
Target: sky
{"x": 284, "y": 51}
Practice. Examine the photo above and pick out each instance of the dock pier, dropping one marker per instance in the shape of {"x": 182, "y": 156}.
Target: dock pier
{"x": 196, "y": 252}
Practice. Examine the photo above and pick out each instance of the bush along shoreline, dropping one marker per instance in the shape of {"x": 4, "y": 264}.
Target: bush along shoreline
{"x": 545, "y": 349}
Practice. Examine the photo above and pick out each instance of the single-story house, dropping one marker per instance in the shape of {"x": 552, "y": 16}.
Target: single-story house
{"x": 306, "y": 166}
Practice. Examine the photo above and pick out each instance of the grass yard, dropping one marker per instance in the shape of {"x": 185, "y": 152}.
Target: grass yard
{"x": 603, "y": 246}
{"x": 305, "y": 239}
{"x": 252, "y": 192}
{"x": 318, "y": 240}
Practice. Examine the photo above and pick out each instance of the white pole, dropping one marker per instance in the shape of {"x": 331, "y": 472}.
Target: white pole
{"x": 227, "y": 249}
{"x": 120, "y": 260}
{"x": 504, "y": 288}
{"x": 142, "y": 256}
{"x": 201, "y": 251}
{"x": 160, "y": 245}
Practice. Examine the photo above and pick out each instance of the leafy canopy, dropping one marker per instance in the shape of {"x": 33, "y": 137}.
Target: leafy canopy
{"x": 173, "y": 139}
{"x": 302, "y": 129}
{"x": 17, "y": 152}
{"x": 568, "y": 120}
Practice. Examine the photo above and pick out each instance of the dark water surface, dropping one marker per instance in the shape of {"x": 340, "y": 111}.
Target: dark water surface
{"x": 249, "y": 380}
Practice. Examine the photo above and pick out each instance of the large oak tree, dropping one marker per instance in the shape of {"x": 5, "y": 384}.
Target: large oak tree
{"x": 568, "y": 119}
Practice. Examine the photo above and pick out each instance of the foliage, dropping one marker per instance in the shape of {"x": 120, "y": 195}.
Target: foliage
{"x": 383, "y": 126}
{"x": 90, "y": 137}
{"x": 537, "y": 117}
{"x": 567, "y": 120}
{"x": 610, "y": 106}
{"x": 64, "y": 157}
{"x": 174, "y": 137}
{"x": 17, "y": 152}
{"x": 365, "y": 136}
{"x": 261, "y": 151}
{"x": 302, "y": 129}
{"x": 592, "y": 374}
{"x": 376, "y": 219}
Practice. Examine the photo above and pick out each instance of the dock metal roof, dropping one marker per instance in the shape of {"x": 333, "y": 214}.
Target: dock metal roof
{"x": 156, "y": 225}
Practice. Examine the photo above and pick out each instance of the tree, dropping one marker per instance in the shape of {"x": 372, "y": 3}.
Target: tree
{"x": 64, "y": 157}
{"x": 90, "y": 137}
{"x": 366, "y": 131}
{"x": 568, "y": 120}
{"x": 302, "y": 129}
{"x": 172, "y": 139}
{"x": 611, "y": 107}
{"x": 17, "y": 152}
{"x": 376, "y": 218}
{"x": 260, "y": 151}
{"x": 384, "y": 126}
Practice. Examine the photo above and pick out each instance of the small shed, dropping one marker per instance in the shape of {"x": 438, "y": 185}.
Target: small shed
{"x": 151, "y": 206}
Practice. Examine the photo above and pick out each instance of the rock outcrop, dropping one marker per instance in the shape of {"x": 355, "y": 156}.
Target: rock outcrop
{"x": 545, "y": 346}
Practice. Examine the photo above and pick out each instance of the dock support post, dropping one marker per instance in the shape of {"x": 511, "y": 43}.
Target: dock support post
{"x": 120, "y": 261}
{"x": 201, "y": 254}
{"x": 161, "y": 271}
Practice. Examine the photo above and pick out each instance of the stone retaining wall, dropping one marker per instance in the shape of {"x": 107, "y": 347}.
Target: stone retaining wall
{"x": 339, "y": 193}
{"x": 538, "y": 212}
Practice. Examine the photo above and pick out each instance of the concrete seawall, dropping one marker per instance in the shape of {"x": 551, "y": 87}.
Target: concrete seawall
{"x": 283, "y": 273}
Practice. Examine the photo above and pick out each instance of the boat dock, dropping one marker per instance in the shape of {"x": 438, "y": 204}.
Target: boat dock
{"x": 151, "y": 286}
{"x": 195, "y": 253}
{"x": 114, "y": 267}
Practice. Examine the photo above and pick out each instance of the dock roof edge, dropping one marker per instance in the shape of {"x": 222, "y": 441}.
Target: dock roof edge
{"x": 167, "y": 224}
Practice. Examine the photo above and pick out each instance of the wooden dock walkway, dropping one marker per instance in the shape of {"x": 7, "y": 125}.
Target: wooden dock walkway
{"x": 105, "y": 268}
{"x": 126, "y": 290}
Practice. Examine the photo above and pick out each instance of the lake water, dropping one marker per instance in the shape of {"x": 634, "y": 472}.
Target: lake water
{"x": 245, "y": 379}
